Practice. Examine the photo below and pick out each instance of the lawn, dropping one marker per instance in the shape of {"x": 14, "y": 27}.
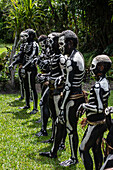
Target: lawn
{"x": 19, "y": 147}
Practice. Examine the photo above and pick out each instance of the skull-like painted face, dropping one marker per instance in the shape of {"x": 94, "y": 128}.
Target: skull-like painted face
{"x": 62, "y": 44}
{"x": 50, "y": 43}
{"x": 50, "y": 40}
{"x": 93, "y": 66}
{"x": 43, "y": 44}
{"x": 23, "y": 37}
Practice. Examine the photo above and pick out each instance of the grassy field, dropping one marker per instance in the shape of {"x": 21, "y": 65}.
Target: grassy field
{"x": 19, "y": 147}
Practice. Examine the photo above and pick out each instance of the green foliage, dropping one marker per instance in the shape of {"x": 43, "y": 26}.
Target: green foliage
{"x": 4, "y": 47}
{"x": 110, "y": 72}
{"x": 94, "y": 29}
{"x": 4, "y": 63}
{"x": 111, "y": 4}
{"x": 109, "y": 50}
{"x": 88, "y": 58}
{"x": 96, "y": 17}
{"x": 59, "y": 15}
{"x": 23, "y": 14}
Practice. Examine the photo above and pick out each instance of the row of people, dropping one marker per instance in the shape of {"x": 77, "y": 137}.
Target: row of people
{"x": 62, "y": 72}
{"x": 68, "y": 114}
{"x": 66, "y": 76}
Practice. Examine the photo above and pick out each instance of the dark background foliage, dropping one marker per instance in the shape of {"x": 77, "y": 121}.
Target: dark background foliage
{"x": 92, "y": 21}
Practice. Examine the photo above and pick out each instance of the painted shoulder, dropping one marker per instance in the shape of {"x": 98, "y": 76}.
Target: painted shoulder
{"x": 79, "y": 59}
{"x": 35, "y": 44}
{"x": 103, "y": 84}
{"x": 63, "y": 59}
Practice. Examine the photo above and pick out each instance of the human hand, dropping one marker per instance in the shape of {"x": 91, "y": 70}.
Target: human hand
{"x": 58, "y": 81}
{"x": 83, "y": 122}
{"x": 108, "y": 110}
{"x": 23, "y": 72}
{"x": 80, "y": 110}
{"x": 61, "y": 117}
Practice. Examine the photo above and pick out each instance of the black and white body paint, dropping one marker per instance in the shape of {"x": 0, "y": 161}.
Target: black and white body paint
{"x": 72, "y": 64}
{"x": 43, "y": 63}
{"x": 98, "y": 101}
{"x": 72, "y": 98}
{"x": 29, "y": 69}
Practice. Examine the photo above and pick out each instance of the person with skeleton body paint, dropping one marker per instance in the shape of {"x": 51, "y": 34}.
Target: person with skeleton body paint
{"x": 29, "y": 67}
{"x": 27, "y": 56}
{"x": 98, "y": 101}
{"x": 54, "y": 89}
{"x": 72, "y": 97}
{"x": 43, "y": 63}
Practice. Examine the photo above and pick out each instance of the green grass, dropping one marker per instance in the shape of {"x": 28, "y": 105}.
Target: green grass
{"x": 19, "y": 147}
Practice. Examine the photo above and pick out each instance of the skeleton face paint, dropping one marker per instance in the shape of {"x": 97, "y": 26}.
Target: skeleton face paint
{"x": 23, "y": 37}
{"x": 50, "y": 43}
{"x": 94, "y": 64}
{"x": 43, "y": 44}
{"x": 96, "y": 68}
{"x": 62, "y": 44}
{"x": 93, "y": 67}
{"x": 47, "y": 51}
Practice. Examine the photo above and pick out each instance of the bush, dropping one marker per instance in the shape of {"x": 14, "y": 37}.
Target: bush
{"x": 4, "y": 63}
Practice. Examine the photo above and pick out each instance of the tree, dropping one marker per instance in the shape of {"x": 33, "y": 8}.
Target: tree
{"x": 22, "y": 14}
{"x": 90, "y": 20}
{"x": 96, "y": 16}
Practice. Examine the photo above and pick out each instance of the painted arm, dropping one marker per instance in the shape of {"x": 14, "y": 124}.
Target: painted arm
{"x": 99, "y": 107}
{"x": 33, "y": 57}
{"x": 61, "y": 78}
{"x": 68, "y": 83}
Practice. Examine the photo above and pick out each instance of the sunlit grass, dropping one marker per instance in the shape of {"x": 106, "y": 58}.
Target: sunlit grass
{"x": 19, "y": 147}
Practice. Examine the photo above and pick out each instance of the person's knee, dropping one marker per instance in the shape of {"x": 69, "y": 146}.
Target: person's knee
{"x": 82, "y": 153}
{"x": 82, "y": 149}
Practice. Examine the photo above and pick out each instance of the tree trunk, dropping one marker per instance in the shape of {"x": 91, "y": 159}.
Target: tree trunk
{"x": 11, "y": 60}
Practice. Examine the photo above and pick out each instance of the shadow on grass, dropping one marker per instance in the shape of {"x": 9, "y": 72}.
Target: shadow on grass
{"x": 44, "y": 161}
{"x": 38, "y": 139}
{"x": 16, "y": 103}
{"x": 34, "y": 123}
{"x": 20, "y": 114}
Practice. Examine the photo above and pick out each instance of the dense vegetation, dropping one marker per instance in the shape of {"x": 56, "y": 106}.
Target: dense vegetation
{"x": 91, "y": 20}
